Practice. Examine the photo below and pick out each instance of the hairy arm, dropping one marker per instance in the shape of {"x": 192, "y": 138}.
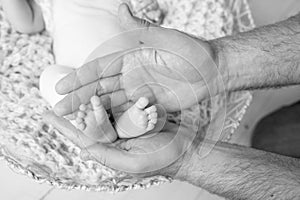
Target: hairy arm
{"x": 24, "y": 15}
{"x": 237, "y": 172}
{"x": 263, "y": 58}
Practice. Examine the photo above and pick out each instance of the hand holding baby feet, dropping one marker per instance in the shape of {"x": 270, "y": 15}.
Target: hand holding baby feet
{"x": 139, "y": 120}
{"x": 90, "y": 120}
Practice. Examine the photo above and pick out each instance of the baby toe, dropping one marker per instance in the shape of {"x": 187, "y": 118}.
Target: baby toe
{"x": 79, "y": 120}
{"x": 151, "y": 109}
{"x": 153, "y": 121}
{"x": 150, "y": 127}
{"x": 81, "y": 114}
{"x": 83, "y": 107}
{"x": 152, "y": 116}
{"x": 81, "y": 126}
{"x": 142, "y": 103}
{"x": 95, "y": 101}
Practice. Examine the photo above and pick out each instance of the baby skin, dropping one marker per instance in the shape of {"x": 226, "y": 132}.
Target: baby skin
{"x": 140, "y": 119}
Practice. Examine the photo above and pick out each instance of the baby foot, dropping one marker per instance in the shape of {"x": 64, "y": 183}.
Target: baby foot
{"x": 93, "y": 121}
{"x": 137, "y": 120}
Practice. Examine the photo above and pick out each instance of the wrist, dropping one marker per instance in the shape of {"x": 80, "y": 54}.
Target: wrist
{"x": 221, "y": 53}
{"x": 192, "y": 170}
{"x": 189, "y": 168}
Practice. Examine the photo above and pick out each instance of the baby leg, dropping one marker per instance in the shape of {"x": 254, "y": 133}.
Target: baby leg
{"x": 92, "y": 114}
{"x": 136, "y": 121}
{"x": 139, "y": 120}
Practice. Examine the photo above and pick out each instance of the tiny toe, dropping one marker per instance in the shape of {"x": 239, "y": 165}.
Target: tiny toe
{"x": 82, "y": 107}
{"x": 81, "y": 114}
{"x": 150, "y": 127}
{"x": 142, "y": 103}
{"x": 81, "y": 126}
{"x": 153, "y": 121}
{"x": 152, "y": 116}
{"x": 151, "y": 109}
{"x": 79, "y": 120}
{"x": 96, "y": 102}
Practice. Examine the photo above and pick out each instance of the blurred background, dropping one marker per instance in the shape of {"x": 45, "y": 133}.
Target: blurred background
{"x": 17, "y": 187}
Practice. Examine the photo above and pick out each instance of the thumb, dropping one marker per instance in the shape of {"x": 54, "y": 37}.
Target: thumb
{"x": 110, "y": 156}
{"x": 129, "y": 22}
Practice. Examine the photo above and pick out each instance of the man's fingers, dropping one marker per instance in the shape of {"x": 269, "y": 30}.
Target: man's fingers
{"x": 83, "y": 95}
{"x": 146, "y": 33}
{"x": 106, "y": 66}
{"x": 72, "y": 101}
{"x": 115, "y": 99}
{"x": 110, "y": 156}
{"x": 67, "y": 129}
{"x": 129, "y": 22}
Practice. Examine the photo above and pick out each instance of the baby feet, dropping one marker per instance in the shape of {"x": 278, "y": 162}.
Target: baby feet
{"x": 91, "y": 120}
{"x": 137, "y": 120}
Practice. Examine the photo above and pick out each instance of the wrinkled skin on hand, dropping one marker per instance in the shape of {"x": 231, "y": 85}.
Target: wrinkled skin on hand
{"x": 174, "y": 76}
{"x": 163, "y": 77}
{"x": 164, "y": 66}
{"x": 170, "y": 67}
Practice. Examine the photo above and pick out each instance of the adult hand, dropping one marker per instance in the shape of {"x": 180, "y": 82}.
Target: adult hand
{"x": 169, "y": 67}
{"x": 154, "y": 154}
{"x": 158, "y": 154}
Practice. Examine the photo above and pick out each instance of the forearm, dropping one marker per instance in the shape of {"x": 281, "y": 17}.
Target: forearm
{"x": 239, "y": 173}
{"x": 265, "y": 57}
{"x": 24, "y": 15}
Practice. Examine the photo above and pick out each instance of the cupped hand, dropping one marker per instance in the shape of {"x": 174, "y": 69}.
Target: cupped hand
{"x": 157, "y": 154}
{"x": 169, "y": 67}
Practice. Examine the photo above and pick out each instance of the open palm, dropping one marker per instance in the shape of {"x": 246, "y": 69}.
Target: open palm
{"x": 164, "y": 78}
{"x": 168, "y": 66}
